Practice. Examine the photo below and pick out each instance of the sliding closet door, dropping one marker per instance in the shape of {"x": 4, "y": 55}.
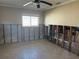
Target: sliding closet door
{"x": 1, "y": 34}
{"x": 14, "y": 33}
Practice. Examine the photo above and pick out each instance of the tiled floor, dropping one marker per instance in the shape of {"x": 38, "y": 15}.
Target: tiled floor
{"x": 35, "y": 50}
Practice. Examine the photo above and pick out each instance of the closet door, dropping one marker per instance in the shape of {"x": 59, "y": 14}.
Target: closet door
{"x": 14, "y": 33}
{"x": 46, "y": 32}
{"x": 41, "y": 31}
{"x": 36, "y": 33}
{"x": 26, "y": 32}
{"x": 31, "y": 33}
{"x": 1, "y": 34}
{"x": 7, "y": 33}
{"x": 19, "y": 33}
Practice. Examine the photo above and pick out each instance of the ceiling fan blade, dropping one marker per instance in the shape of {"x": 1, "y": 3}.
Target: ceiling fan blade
{"x": 46, "y": 3}
{"x": 27, "y": 3}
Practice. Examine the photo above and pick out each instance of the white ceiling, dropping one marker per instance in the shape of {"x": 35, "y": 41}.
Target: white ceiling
{"x": 20, "y": 3}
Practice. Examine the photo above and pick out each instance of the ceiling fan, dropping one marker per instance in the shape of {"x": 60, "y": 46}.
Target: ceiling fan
{"x": 37, "y": 2}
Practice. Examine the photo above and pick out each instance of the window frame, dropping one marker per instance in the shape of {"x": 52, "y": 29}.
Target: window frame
{"x": 30, "y": 25}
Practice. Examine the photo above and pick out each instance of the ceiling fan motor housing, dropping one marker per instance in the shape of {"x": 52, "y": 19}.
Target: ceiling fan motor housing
{"x": 37, "y": 1}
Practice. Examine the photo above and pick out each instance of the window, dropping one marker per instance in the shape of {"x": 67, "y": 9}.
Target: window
{"x": 30, "y": 21}
{"x": 26, "y": 21}
{"x": 34, "y": 21}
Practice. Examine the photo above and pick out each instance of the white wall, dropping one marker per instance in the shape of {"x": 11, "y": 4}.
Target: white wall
{"x": 14, "y": 15}
{"x": 64, "y": 15}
